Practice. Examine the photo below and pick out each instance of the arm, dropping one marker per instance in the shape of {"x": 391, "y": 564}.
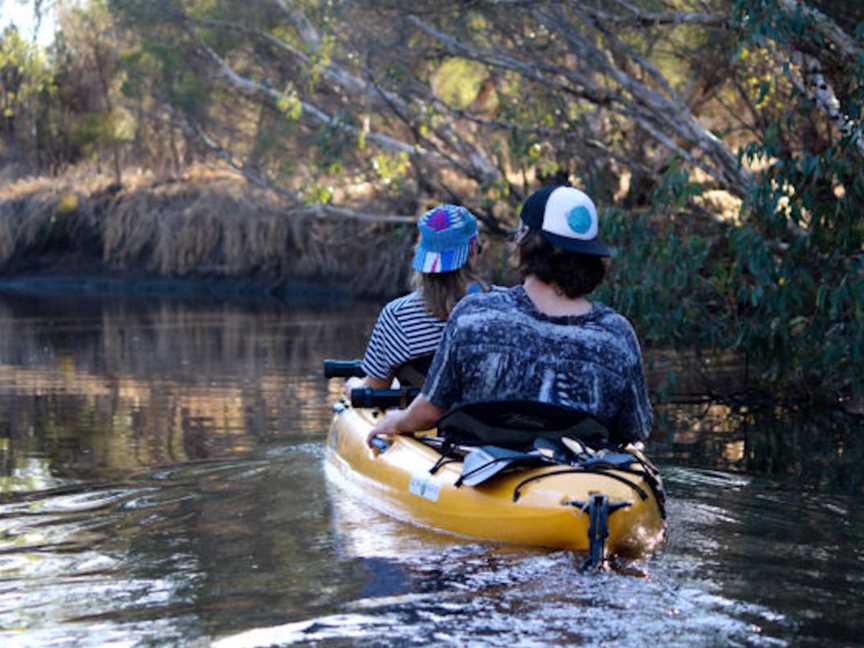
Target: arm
{"x": 388, "y": 348}
{"x": 360, "y": 383}
{"x": 376, "y": 383}
{"x": 420, "y": 415}
{"x": 439, "y": 392}
{"x": 385, "y": 350}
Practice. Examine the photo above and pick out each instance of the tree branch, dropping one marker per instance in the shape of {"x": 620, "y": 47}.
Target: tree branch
{"x": 255, "y": 88}
{"x": 827, "y": 28}
{"x": 544, "y": 75}
{"x": 820, "y": 91}
{"x": 302, "y": 24}
{"x": 299, "y": 209}
{"x": 670, "y": 111}
{"x": 639, "y": 18}
{"x": 480, "y": 167}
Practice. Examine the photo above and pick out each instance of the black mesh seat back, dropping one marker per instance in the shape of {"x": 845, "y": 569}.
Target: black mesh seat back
{"x": 515, "y": 424}
{"x": 413, "y": 373}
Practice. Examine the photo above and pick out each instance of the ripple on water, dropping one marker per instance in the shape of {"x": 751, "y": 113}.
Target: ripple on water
{"x": 452, "y": 592}
{"x": 483, "y": 596}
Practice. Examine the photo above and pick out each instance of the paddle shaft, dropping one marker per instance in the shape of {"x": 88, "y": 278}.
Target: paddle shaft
{"x": 343, "y": 369}
{"x": 367, "y": 397}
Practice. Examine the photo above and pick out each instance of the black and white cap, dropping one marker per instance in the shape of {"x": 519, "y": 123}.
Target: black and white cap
{"x": 567, "y": 218}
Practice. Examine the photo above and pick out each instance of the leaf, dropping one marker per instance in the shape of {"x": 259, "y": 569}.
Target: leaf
{"x": 756, "y": 295}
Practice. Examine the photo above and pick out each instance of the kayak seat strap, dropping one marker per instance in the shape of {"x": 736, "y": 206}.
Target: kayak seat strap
{"x": 517, "y": 424}
{"x": 413, "y": 373}
{"x": 443, "y": 460}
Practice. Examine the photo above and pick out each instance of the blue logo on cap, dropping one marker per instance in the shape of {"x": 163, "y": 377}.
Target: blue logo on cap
{"x": 579, "y": 220}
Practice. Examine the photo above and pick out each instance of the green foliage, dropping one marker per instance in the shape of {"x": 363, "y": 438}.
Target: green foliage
{"x": 26, "y": 73}
{"x": 95, "y": 130}
{"x": 290, "y": 105}
{"x": 457, "y": 81}
{"x": 802, "y": 267}
{"x": 391, "y": 169}
{"x": 156, "y": 66}
{"x": 783, "y": 283}
{"x": 318, "y": 194}
{"x": 783, "y": 286}
{"x": 800, "y": 247}
{"x": 662, "y": 279}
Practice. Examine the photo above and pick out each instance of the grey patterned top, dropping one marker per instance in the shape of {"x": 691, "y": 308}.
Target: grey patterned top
{"x": 498, "y": 346}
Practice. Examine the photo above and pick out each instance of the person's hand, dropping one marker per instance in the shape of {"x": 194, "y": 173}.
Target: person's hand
{"x": 385, "y": 428}
{"x": 352, "y": 383}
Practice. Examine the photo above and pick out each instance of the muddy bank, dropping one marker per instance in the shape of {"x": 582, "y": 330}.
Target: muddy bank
{"x": 208, "y": 233}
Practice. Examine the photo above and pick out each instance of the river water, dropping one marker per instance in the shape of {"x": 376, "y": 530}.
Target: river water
{"x": 162, "y": 483}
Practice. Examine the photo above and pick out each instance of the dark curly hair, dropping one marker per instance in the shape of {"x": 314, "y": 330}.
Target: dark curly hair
{"x": 573, "y": 274}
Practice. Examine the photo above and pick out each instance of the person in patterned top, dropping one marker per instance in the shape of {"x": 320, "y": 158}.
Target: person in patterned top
{"x": 542, "y": 340}
{"x": 411, "y": 326}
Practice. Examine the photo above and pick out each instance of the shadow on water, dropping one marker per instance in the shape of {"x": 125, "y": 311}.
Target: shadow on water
{"x": 162, "y": 482}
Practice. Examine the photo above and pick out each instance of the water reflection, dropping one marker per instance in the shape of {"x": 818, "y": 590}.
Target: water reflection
{"x": 114, "y": 388}
{"x": 162, "y": 483}
{"x": 819, "y": 450}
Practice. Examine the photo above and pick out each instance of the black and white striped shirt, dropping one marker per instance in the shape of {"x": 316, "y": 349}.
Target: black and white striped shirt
{"x": 404, "y": 330}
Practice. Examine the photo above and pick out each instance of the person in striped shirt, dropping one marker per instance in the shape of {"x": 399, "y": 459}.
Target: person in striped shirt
{"x": 411, "y": 326}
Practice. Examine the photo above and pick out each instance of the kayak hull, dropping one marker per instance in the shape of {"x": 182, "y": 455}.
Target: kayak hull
{"x": 400, "y": 482}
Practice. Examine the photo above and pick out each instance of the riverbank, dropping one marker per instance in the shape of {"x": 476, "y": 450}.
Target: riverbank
{"x": 210, "y": 234}
{"x": 50, "y": 285}
{"x": 207, "y": 233}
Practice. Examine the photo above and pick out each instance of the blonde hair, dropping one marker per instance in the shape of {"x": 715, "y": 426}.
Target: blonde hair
{"x": 441, "y": 291}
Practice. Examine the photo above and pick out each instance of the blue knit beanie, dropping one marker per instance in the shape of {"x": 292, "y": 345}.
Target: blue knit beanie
{"x": 446, "y": 233}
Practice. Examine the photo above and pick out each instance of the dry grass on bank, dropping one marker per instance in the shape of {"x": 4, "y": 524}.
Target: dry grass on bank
{"x": 210, "y": 223}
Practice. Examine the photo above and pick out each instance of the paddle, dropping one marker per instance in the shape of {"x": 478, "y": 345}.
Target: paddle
{"x": 367, "y": 397}
{"x": 343, "y": 369}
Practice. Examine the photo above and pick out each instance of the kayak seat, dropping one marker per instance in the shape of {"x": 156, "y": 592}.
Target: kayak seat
{"x": 517, "y": 424}
{"x": 413, "y": 373}
{"x": 484, "y": 462}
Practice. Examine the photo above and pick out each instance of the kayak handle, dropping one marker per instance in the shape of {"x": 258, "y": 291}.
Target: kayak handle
{"x": 343, "y": 369}
{"x": 366, "y": 397}
{"x": 379, "y": 444}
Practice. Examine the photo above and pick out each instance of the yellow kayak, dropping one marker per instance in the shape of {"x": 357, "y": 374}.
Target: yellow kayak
{"x": 558, "y": 506}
